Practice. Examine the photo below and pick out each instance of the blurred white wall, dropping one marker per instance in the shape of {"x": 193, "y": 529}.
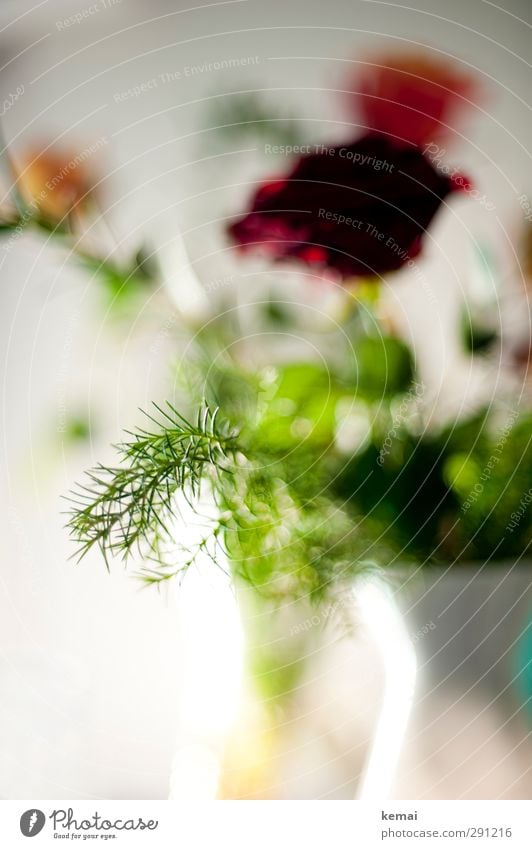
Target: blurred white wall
{"x": 88, "y": 678}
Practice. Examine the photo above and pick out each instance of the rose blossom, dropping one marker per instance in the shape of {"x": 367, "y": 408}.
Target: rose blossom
{"x": 411, "y": 98}
{"x": 360, "y": 209}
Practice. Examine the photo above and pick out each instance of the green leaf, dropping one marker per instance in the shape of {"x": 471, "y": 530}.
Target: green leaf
{"x": 300, "y": 409}
{"x": 384, "y": 367}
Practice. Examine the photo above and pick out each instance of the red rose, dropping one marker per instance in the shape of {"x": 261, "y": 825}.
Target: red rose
{"x": 361, "y": 209}
{"x": 412, "y": 99}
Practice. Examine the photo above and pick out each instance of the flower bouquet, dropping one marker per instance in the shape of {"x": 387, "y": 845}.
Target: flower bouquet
{"x": 301, "y": 453}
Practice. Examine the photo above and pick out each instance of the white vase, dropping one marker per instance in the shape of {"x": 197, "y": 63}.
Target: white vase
{"x": 337, "y": 729}
{"x": 470, "y": 731}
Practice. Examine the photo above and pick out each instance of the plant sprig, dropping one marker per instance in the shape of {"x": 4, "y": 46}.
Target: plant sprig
{"x": 265, "y": 513}
{"x": 129, "y": 506}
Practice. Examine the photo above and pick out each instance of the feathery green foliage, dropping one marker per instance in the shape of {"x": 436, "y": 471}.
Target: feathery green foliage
{"x": 270, "y": 515}
{"x": 128, "y": 506}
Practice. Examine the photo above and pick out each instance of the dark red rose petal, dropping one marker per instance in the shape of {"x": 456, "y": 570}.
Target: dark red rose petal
{"x": 360, "y": 209}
